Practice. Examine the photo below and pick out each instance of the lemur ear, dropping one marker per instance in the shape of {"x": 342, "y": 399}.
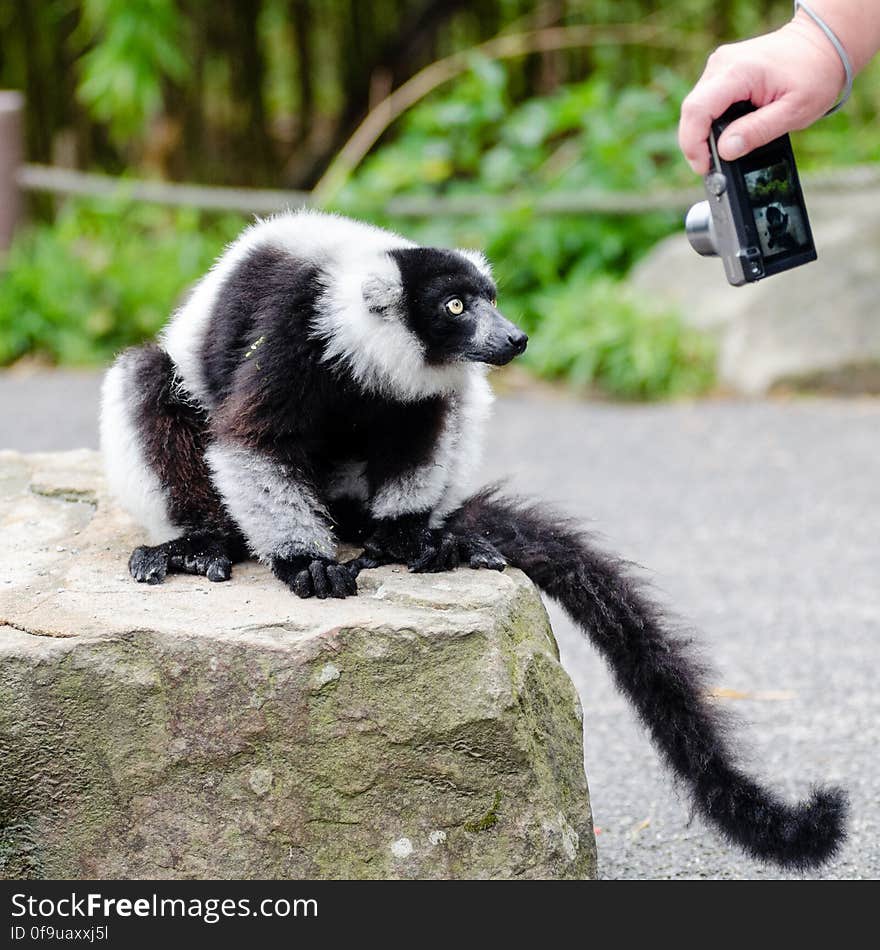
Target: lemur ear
{"x": 478, "y": 259}
{"x": 383, "y": 294}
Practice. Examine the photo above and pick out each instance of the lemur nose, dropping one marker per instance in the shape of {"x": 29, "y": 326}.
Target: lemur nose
{"x": 518, "y": 340}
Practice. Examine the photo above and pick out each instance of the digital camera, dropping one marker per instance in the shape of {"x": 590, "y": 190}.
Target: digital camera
{"x": 755, "y": 218}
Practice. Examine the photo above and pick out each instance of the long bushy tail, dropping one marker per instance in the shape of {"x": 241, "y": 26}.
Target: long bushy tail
{"x": 652, "y": 667}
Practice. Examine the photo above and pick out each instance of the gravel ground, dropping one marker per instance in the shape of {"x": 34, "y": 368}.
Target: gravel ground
{"x": 759, "y": 523}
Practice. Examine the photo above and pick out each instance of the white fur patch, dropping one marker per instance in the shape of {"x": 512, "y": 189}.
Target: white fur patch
{"x": 474, "y": 409}
{"x": 478, "y": 259}
{"x": 130, "y": 479}
{"x": 278, "y": 515}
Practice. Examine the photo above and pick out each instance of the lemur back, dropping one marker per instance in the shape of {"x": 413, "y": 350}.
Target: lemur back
{"x": 326, "y": 380}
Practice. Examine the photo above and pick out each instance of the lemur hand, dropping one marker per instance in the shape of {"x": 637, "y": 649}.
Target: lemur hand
{"x": 320, "y": 577}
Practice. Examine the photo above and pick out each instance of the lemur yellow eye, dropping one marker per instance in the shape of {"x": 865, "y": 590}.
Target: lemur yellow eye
{"x": 455, "y": 306}
{"x": 494, "y": 301}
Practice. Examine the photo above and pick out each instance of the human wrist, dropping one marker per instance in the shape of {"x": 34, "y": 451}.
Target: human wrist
{"x": 858, "y": 34}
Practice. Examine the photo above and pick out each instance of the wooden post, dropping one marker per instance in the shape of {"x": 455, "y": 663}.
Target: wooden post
{"x": 11, "y": 158}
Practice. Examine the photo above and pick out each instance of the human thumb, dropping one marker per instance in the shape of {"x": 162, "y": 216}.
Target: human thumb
{"x": 756, "y": 129}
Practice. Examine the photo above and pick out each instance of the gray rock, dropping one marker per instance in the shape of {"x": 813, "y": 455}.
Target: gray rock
{"x": 813, "y": 327}
{"x": 424, "y": 729}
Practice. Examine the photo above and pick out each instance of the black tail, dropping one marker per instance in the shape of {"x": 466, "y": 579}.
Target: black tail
{"x": 652, "y": 667}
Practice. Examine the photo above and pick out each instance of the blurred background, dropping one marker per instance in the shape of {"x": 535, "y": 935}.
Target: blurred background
{"x": 542, "y": 132}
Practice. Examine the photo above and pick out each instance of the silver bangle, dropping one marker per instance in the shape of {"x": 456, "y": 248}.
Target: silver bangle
{"x": 838, "y": 46}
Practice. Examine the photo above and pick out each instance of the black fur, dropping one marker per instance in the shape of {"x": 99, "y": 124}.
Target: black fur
{"x": 652, "y": 667}
{"x": 173, "y": 435}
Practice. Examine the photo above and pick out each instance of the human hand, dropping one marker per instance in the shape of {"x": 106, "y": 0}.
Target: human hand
{"x": 792, "y": 76}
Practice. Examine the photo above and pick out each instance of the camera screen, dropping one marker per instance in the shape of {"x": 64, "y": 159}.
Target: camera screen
{"x": 779, "y": 216}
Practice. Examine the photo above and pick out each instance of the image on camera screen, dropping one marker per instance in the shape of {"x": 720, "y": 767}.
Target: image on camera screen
{"x": 778, "y": 213}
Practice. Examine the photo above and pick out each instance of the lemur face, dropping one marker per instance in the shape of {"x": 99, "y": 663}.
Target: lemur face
{"x": 449, "y": 304}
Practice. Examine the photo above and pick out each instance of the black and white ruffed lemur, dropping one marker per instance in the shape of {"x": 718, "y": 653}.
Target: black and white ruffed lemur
{"x": 326, "y": 381}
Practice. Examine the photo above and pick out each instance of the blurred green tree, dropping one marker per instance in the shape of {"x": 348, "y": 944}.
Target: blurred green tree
{"x": 266, "y": 91}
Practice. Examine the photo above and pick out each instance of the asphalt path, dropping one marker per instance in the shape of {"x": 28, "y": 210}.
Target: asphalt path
{"x": 758, "y": 523}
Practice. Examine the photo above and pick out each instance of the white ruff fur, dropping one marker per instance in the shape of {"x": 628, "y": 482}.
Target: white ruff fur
{"x": 379, "y": 351}
{"x": 130, "y": 480}
{"x": 278, "y": 515}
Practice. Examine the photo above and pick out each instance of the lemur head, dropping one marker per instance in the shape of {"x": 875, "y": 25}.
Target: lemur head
{"x": 447, "y": 300}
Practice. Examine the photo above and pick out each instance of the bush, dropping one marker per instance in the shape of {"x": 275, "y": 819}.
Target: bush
{"x": 596, "y": 333}
{"x": 103, "y": 276}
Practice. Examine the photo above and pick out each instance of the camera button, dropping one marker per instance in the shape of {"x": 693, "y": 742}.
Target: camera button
{"x": 716, "y": 184}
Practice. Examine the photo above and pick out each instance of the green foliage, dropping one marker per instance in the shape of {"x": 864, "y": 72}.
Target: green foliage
{"x": 598, "y": 334}
{"x": 133, "y": 46}
{"x": 103, "y": 276}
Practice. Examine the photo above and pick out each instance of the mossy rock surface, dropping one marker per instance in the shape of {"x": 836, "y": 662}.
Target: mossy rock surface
{"x": 424, "y": 729}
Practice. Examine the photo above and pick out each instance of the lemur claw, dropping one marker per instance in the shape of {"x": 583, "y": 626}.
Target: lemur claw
{"x": 316, "y": 577}
{"x": 148, "y": 565}
{"x": 480, "y": 553}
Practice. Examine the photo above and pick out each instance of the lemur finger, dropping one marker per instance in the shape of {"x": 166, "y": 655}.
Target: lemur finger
{"x": 339, "y": 579}
{"x": 220, "y": 569}
{"x": 361, "y": 563}
{"x": 480, "y": 553}
{"x": 320, "y": 582}
{"x": 189, "y": 563}
{"x": 349, "y": 579}
{"x": 422, "y": 565}
{"x": 487, "y": 562}
{"x": 148, "y": 565}
{"x": 302, "y": 585}
{"x": 448, "y": 558}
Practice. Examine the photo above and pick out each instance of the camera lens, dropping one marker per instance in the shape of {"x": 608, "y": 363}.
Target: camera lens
{"x": 700, "y": 229}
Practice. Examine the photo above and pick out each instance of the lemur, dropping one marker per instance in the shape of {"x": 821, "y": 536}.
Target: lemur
{"x": 326, "y": 381}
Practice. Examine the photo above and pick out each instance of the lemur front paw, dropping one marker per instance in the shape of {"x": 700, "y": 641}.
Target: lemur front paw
{"x": 425, "y": 550}
{"x": 315, "y": 576}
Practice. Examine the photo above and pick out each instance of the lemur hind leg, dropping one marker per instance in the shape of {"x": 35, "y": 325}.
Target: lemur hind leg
{"x": 448, "y": 550}
{"x": 209, "y": 555}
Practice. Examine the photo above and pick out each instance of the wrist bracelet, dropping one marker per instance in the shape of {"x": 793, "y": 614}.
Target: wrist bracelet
{"x": 838, "y": 46}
